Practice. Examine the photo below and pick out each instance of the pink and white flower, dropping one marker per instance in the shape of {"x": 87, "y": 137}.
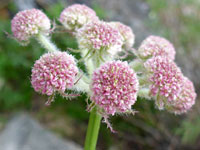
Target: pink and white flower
{"x": 77, "y": 15}
{"x": 126, "y": 33}
{"x": 28, "y": 23}
{"x": 185, "y": 100}
{"x": 165, "y": 80}
{"x": 99, "y": 37}
{"x": 156, "y": 46}
{"x": 54, "y": 72}
{"x": 114, "y": 87}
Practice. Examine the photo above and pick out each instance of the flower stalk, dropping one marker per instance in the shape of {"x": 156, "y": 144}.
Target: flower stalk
{"x": 46, "y": 43}
{"x": 92, "y": 130}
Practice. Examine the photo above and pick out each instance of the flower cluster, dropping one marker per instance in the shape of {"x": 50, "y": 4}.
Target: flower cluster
{"x": 114, "y": 87}
{"x": 54, "y": 72}
{"x": 156, "y": 46}
{"x": 99, "y": 37}
{"x": 126, "y": 32}
{"x": 75, "y": 16}
{"x": 165, "y": 78}
{"x": 111, "y": 85}
{"x": 28, "y": 23}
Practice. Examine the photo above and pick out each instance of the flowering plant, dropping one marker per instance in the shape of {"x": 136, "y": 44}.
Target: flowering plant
{"x": 112, "y": 85}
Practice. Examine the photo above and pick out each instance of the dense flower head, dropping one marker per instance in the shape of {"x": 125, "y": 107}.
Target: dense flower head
{"x": 114, "y": 87}
{"x": 30, "y": 22}
{"x": 165, "y": 78}
{"x": 156, "y": 46}
{"x": 185, "y": 100}
{"x": 54, "y": 72}
{"x": 75, "y": 16}
{"x": 126, "y": 32}
{"x": 99, "y": 36}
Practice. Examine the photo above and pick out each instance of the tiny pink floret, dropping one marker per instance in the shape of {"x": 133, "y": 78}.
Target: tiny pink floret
{"x": 75, "y": 16}
{"x": 54, "y": 72}
{"x": 165, "y": 78}
{"x": 114, "y": 87}
{"x": 156, "y": 46}
{"x": 30, "y": 22}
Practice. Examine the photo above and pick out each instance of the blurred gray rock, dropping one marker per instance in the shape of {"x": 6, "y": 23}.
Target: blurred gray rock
{"x": 24, "y": 133}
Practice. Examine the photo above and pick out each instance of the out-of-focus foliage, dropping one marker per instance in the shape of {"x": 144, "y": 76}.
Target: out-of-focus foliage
{"x": 189, "y": 131}
{"x": 180, "y": 19}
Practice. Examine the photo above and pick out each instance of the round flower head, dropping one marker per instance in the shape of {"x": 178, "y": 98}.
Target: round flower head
{"x": 185, "y": 100}
{"x": 54, "y": 72}
{"x": 165, "y": 78}
{"x": 28, "y": 23}
{"x": 156, "y": 46}
{"x": 75, "y": 16}
{"x": 114, "y": 87}
{"x": 126, "y": 32}
{"x": 99, "y": 37}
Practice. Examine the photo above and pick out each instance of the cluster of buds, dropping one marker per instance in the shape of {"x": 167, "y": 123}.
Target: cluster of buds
{"x": 164, "y": 80}
{"x": 112, "y": 85}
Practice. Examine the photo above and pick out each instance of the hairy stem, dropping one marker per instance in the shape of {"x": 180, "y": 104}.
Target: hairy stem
{"x": 46, "y": 43}
{"x": 93, "y": 130}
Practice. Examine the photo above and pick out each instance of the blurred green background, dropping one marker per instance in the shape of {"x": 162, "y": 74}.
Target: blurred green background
{"x": 179, "y": 21}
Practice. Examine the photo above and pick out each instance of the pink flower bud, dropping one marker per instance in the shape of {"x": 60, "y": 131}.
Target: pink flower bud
{"x": 165, "y": 78}
{"x": 28, "y": 23}
{"x": 54, "y": 72}
{"x": 185, "y": 100}
{"x": 114, "y": 87}
{"x": 75, "y": 16}
{"x": 99, "y": 36}
{"x": 126, "y": 33}
{"x": 156, "y": 46}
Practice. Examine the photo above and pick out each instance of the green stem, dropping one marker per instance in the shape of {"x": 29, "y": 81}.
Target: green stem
{"x": 93, "y": 130}
{"x": 46, "y": 43}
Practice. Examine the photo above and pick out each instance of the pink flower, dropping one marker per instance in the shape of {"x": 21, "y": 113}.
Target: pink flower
{"x": 165, "y": 78}
{"x": 28, "y": 23}
{"x": 54, "y": 72}
{"x": 156, "y": 46}
{"x": 126, "y": 32}
{"x": 185, "y": 100}
{"x": 114, "y": 87}
{"x": 99, "y": 37}
{"x": 75, "y": 16}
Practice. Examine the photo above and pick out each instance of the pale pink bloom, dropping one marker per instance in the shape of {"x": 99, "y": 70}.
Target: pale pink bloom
{"x": 185, "y": 100}
{"x": 165, "y": 78}
{"x": 28, "y": 23}
{"x": 114, "y": 87}
{"x": 54, "y": 72}
{"x": 99, "y": 37}
{"x": 126, "y": 32}
{"x": 156, "y": 46}
{"x": 75, "y": 16}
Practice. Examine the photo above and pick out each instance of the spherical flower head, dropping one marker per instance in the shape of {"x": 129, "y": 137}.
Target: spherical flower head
{"x": 165, "y": 78}
{"x": 126, "y": 32}
{"x": 156, "y": 46}
{"x": 185, "y": 100}
{"x": 114, "y": 87}
{"x": 75, "y": 16}
{"x": 28, "y": 23}
{"x": 99, "y": 37}
{"x": 54, "y": 72}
